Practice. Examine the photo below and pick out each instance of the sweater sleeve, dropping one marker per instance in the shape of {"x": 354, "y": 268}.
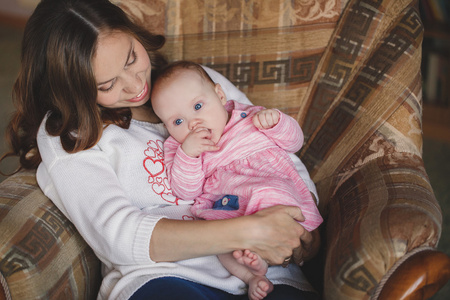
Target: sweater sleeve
{"x": 185, "y": 173}
{"x": 86, "y": 189}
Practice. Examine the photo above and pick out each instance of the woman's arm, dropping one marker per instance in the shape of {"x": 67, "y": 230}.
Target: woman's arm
{"x": 273, "y": 233}
{"x": 96, "y": 198}
{"x": 121, "y": 233}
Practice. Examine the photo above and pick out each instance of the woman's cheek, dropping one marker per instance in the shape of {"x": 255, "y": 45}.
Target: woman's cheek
{"x": 107, "y": 99}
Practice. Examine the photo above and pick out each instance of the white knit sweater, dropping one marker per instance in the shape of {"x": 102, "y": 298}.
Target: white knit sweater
{"x": 115, "y": 193}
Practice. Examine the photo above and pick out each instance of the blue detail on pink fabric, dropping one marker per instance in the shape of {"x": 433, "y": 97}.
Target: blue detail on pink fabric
{"x": 228, "y": 202}
{"x": 243, "y": 115}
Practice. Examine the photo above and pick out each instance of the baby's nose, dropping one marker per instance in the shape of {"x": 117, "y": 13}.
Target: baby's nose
{"x": 193, "y": 124}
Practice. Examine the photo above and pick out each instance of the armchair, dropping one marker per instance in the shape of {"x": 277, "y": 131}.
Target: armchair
{"x": 349, "y": 71}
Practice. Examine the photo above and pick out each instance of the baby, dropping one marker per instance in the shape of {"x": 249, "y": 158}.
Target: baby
{"x": 230, "y": 157}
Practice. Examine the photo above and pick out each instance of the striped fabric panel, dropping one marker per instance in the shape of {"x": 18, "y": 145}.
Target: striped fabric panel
{"x": 362, "y": 92}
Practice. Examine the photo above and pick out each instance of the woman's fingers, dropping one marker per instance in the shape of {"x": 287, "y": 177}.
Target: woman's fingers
{"x": 276, "y": 233}
{"x": 295, "y": 213}
{"x": 310, "y": 244}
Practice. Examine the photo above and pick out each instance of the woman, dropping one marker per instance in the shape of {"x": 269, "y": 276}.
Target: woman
{"x": 83, "y": 119}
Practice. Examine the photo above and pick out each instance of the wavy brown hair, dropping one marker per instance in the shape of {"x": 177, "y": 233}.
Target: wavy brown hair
{"x": 56, "y": 76}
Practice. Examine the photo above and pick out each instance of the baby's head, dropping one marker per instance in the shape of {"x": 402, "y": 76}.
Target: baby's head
{"x": 185, "y": 98}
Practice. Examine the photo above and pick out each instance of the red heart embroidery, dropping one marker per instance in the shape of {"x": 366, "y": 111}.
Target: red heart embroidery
{"x": 169, "y": 197}
{"x": 155, "y": 149}
{"x": 153, "y": 167}
{"x": 158, "y": 188}
{"x": 150, "y": 153}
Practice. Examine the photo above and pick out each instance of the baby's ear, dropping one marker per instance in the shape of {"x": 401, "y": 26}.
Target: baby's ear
{"x": 220, "y": 93}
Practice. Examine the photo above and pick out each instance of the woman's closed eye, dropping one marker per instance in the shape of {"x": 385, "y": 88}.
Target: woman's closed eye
{"x": 110, "y": 85}
{"x": 107, "y": 86}
{"x": 132, "y": 59}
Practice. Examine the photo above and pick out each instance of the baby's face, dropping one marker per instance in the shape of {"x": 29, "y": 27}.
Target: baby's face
{"x": 185, "y": 101}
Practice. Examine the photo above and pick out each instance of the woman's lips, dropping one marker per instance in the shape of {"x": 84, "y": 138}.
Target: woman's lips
{"x": 141, "y": 95}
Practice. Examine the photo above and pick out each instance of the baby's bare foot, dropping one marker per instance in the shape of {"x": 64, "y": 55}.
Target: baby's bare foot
{"x": 251, "y": 260}
{"x": 259, "y": 287}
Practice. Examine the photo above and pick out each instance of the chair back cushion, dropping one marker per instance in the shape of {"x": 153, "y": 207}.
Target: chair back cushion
{"x": 268, "y": 49}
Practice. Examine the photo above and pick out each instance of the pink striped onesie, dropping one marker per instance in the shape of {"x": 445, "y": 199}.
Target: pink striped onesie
{"x": 250, "y": 172}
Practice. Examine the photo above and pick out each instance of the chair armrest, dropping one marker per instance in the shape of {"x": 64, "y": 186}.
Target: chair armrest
{"x": 41, "y": 253}
{"x": 418, "y": 275}
{"x": 378, "y": 214}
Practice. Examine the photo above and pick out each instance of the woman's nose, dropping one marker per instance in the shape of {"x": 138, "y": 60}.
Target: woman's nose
{"x": 134, "y": 84}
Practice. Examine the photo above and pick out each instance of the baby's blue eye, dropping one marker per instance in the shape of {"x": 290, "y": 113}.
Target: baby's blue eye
{"x": 178, "y": 121}
{"x": 198, "y": 106}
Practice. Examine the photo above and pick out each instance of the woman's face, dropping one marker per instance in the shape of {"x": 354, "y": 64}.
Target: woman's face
{"x": 122, "y": 70}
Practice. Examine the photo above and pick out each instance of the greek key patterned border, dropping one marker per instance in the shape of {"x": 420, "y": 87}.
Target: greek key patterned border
{"x": 288, "y": 71}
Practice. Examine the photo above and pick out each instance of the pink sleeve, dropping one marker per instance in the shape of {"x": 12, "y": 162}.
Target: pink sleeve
{"x": 287, "y": 134}
{"x": 185, "y": 173}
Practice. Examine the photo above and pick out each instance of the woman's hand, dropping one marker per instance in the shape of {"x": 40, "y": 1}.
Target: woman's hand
{"x": 274, "y": 232}
{"x": 310, "y": 243}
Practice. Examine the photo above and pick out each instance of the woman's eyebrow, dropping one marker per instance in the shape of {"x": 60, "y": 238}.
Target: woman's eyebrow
{"x": 104, "y": 82}
{"x": 126, "y": 62}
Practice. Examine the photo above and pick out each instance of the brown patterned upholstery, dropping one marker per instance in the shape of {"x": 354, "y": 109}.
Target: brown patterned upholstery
{"x": 42, "y": 255}
{"x": 349, "y": 70}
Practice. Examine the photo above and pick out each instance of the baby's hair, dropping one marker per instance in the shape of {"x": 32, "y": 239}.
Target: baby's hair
{"x": 171, "y": 69}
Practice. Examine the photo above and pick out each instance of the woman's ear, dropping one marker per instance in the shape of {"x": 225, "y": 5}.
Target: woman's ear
{"x": 220, "y": 93}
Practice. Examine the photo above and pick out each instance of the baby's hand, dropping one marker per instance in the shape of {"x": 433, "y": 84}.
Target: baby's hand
{"x": 266, "y": 119}
{"x": 197, "y": 142}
